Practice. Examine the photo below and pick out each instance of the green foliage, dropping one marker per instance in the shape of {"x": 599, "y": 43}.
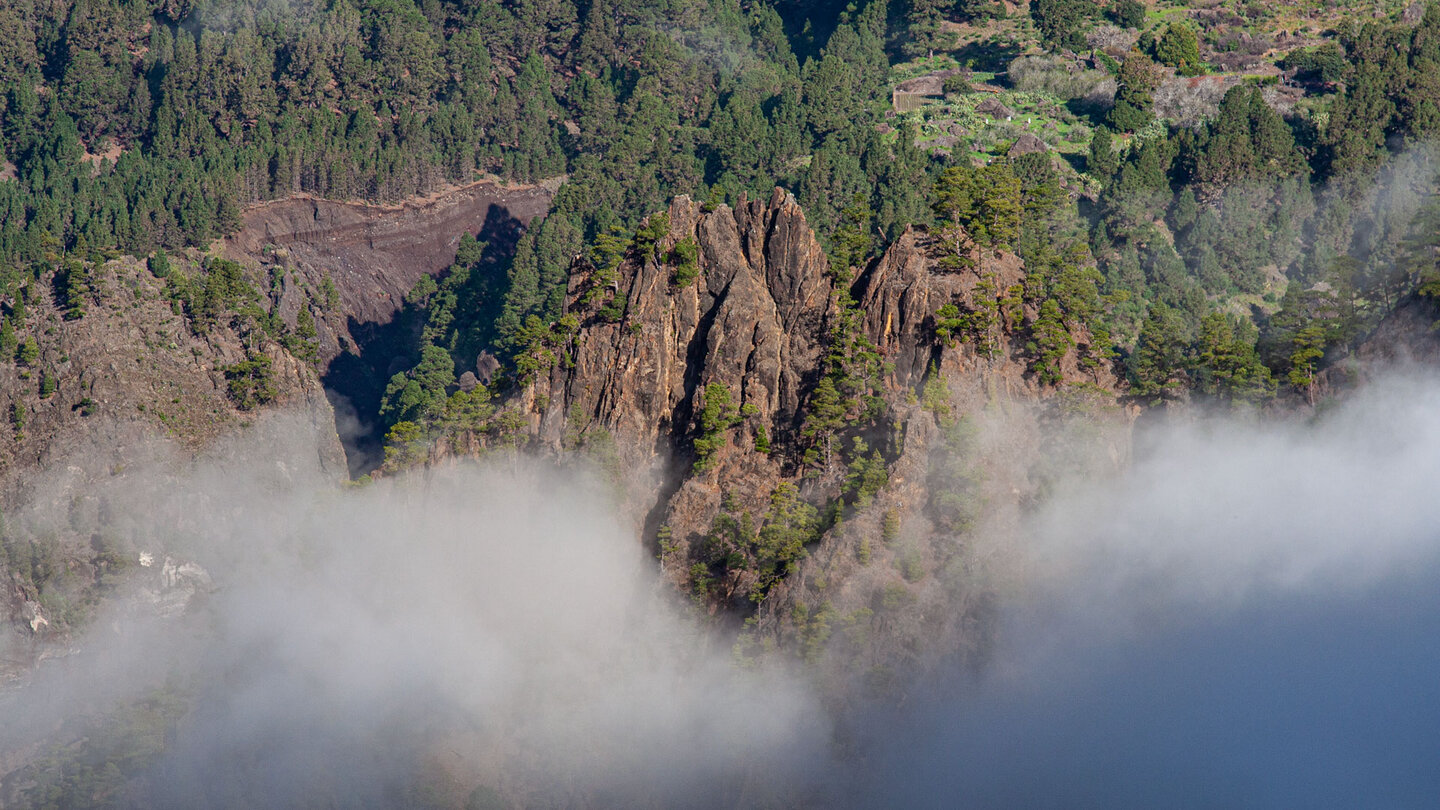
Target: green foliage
{"x": 852, "y": 242}
{"x": 412, "y": 395}
{"x": 850, "y": 392}
{"x": 1050, "y": 341}
{"x": 1308, "y": 347}
{"x": 72, "y": 284}
{"x": 1226, "y": 364}
{"x": 47, "y": 384}
{"x": 762, "y": 440}
{"x": 1137, "y": 81}
{"x": 18, "y": 415}
{"x": 890, "y": 526}
{"x": 648, "y": 236}
{"x": 935, "y": 396}
{"x": 1157, "y": 365}
{"x": 865, "y": 475}
{"x": 983, "y": 203}
{"x": 614, "y": 310}
{"x": 330, "y": 296}
{"x": 540, "y": 346}
{"x": 1062, "y": 23}
{"x": 221, "y": 290}
{"x": 1324, "y": 62}
{"x": 1246, "y": 142}
{"x": 955, "y": 85}
{"x": 28, "y": 351}
{"x": 9, "y": 343}
{"x": 717, "y": 417}
{"x": 813, "y": 629}
{"x": 1103, "y": 162}
{"x": 948, "y": 322}
{"x": 790, "y": 525}
{"x": 215, "y": 108}
{"x": 1179, "y": 48}
{"x": 251, "y": 382}
{"x": 159, "y": 264}
{"x": 685, "y": 256}
{"x": 1128, "y": 13}
{"x": 406, "y": 445}
{"x": 301, "y": 341}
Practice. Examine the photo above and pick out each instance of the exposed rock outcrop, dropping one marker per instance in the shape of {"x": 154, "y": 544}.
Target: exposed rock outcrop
{"x": 374, "y": 254}
{"x": 761, "y": 321}
{"x": 129, "y": 371}
{"x": 754, "y": 321}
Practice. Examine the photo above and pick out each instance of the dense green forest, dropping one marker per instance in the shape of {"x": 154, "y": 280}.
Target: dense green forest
{"x": 1222, "y": 256}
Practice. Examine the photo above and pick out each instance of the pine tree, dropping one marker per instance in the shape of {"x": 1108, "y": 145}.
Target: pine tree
{"x": 1049, "y": 342}
{"x": 1103, "y": 162}
{"x": 1138, "y": 79}
{"x": 1179, "y": 48}
{"x": 1308, "y": 347}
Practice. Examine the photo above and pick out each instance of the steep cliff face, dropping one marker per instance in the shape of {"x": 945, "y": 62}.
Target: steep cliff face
{"x": 753, "y": 321}
{"x": 123, "y": 387}
{"x": 350, "y": 265}
{"x": 374, "y": 254}
{"x": 129, "y": 369}
{"x": 762, "y": 490}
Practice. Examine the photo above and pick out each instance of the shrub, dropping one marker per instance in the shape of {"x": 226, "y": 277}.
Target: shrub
{"x": 955, "y": 85}
{"x": 716, "y": 417}
{"x": 28, "y": 352}
{"x": 1053, "y": 76}
{"x": 251, "y": 382}
{"x": 1128, "y": 14}
{"x": 686, "y": 258}
{"x": 159, "y": 264}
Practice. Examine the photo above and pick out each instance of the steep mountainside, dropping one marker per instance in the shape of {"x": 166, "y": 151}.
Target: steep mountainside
{"x": 374, "y": 254}
{"x": 350, "y": 265}
{"x": 808, "y": 451}
{"x": 110, "y": 388}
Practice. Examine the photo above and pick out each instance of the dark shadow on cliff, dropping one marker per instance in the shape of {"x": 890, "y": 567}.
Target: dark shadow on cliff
{"x": 355, "y": 382}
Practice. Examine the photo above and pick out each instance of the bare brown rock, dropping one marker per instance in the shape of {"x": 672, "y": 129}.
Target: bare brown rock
{"x": 129, "y": 370}
{"x": 1027, "y": 144}
{"x": 753, "y": 321}
{"x": 374, "y": 254}
{"x": 757, "y": 320}
{"x": 995, "y": 109}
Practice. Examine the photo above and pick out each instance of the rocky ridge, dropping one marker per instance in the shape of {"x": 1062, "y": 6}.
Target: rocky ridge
{"x": 760, "y": 322}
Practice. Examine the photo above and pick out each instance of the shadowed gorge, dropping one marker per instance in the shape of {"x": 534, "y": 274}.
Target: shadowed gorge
{"x": 372, "y": 256}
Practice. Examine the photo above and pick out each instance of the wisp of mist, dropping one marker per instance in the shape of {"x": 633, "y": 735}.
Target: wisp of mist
{"x": 379, "y": 646}
{"x": 1246, "y": 617}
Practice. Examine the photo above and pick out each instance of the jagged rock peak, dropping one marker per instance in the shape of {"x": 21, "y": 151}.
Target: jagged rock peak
{"x": 748, "y": 312}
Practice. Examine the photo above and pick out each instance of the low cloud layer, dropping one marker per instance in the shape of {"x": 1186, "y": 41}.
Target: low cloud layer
{"x": 396, "y": 643}
{"x": 1245, "y": 618}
